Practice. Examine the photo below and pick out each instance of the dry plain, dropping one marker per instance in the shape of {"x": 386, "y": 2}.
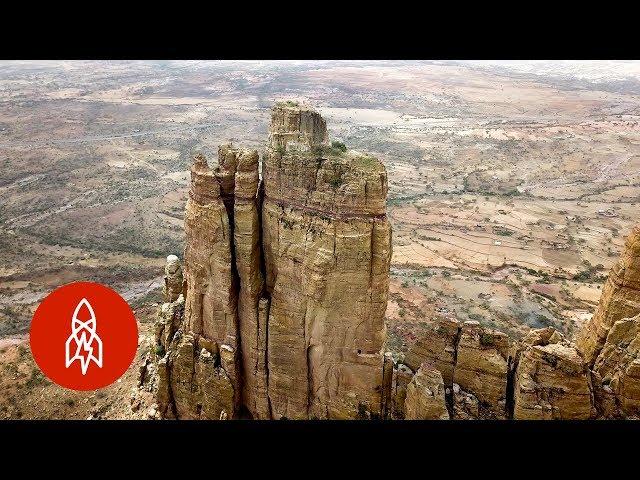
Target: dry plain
{"x": 511, "y": 187}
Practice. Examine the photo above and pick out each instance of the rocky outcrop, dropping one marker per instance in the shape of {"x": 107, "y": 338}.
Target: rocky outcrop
{"x": 471, "y": 358}
{"x": 542, "y": 377}
{"x": 279, "y": 310}
{"x": 192, "y": 384}
{"x": 616, "y": 372}
{"x": 437, "y": 347}
{"x": 481, "y": 367}
{"x": 203, "y": 363}
{"x": 620, "y": 299}
{"x": 286, "y": 283}
{"x": 242, "y": 186}
{"x": 425, "y": 399}
{"x": 609, "y": 341}
{"x": 552, "y": 380}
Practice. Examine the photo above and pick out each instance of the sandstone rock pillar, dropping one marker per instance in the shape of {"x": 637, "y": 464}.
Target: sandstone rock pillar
{"x": 620, "y": 299}
{"x": 286, "y": 283}
{"x": 327, "y": 245}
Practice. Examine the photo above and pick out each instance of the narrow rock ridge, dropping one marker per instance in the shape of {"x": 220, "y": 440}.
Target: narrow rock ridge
{"x": 285, "y": 283}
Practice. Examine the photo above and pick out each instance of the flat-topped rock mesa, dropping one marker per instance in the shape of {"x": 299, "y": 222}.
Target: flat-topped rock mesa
{"x": 286, "y": 282}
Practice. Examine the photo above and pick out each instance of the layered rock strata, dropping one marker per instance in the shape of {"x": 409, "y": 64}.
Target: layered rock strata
{"x": 286, "y": 282}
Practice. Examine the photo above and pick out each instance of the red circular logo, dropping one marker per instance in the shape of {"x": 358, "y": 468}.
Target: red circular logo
{"x": 83, "y": 336}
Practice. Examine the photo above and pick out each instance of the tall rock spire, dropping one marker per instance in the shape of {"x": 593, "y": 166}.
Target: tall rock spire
{"x": 327, "y": 246}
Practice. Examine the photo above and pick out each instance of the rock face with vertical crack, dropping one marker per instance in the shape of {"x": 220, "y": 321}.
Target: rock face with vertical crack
{"x": 201, "y": 364}
{"x": 286, "y": 282}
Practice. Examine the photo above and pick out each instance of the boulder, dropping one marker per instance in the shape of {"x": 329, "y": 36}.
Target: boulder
{"x": 425, "y": 398}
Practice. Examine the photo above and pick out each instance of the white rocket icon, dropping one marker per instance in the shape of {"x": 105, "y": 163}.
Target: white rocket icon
{"x": 83, "y": 344}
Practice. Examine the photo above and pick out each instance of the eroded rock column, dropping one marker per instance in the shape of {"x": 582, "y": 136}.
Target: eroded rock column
{"x": 199, "y": 374}
{"x": 286, "y": 283}
{"x": 327, "y": 245}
